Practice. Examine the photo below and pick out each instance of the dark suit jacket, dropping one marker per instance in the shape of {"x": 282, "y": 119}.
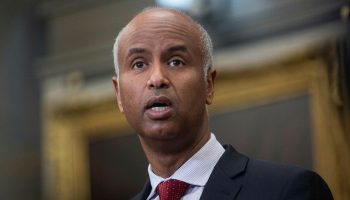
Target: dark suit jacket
{"x": 237, "y": 177}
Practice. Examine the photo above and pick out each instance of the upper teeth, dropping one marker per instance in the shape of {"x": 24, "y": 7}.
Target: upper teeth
{"x": 158, "y": 109}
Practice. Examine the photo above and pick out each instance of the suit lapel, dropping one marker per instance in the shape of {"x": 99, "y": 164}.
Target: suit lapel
{"x": 144, "y": 193}
{"x": 225, "y": 181}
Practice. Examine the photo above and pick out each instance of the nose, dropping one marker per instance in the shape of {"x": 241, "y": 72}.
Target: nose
{"x": 158, "y": 79}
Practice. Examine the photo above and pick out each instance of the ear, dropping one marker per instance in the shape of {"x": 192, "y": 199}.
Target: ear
{"x": 210, "y": 85}
{"x": 117, "y": 93}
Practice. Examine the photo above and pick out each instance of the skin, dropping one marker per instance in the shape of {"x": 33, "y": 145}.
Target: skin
{"x": 160, "y": 57}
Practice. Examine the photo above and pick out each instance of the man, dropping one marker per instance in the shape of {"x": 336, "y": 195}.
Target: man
{"x": 164, "y": 81}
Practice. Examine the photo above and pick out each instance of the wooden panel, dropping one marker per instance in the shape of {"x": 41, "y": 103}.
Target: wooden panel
{"x": 278, "y": 131}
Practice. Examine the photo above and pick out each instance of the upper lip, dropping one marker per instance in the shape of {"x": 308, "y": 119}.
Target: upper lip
{"x": 157, "y": 99}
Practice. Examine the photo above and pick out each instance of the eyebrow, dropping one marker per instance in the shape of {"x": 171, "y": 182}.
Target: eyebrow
{"x": 171, "y": 49}
{"x": 178, "y": 48}
{"x": 135, "y": 51}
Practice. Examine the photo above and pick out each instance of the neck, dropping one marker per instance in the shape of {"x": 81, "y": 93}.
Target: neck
{"x": 166, "y": 157}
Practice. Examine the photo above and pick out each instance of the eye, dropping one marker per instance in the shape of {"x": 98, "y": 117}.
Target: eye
{"x": 139, "y": 65}
{"x": 176, "y": 63}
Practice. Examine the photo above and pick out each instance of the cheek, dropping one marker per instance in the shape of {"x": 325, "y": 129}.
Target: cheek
{"x": 130, "y": 98}
{"x": 193, "y": 90}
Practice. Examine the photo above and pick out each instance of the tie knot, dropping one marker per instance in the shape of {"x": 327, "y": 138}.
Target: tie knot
{"x": 172, "y": 189}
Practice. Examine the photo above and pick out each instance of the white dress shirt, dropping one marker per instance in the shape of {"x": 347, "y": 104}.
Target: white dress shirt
{"x": 195, "y": 171}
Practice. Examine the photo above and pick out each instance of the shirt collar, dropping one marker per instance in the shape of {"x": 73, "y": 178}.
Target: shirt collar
{"x": 196, "y": 170}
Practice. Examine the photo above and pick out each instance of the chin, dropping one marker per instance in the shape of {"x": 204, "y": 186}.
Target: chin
{"x": 160, "y": 132}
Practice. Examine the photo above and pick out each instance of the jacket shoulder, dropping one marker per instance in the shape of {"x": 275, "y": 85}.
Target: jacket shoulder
{"x": 267, "y": 180}
{"x": 284, "y": 181}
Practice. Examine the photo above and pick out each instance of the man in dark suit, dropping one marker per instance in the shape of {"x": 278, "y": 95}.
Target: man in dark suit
{"x": 164, "y": 81}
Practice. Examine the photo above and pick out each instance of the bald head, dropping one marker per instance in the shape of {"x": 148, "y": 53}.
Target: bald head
{"x": 158, "y": 18}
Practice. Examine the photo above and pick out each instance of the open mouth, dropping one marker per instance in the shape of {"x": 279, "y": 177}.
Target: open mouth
{"x": 158, "y": 107}
{"x": 158, "y": 104}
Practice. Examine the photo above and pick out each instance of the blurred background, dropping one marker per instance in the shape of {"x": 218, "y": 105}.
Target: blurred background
{"x": 282, "y": 92}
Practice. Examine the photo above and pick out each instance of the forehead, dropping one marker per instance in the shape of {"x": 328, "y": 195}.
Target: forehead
{"x": 155, "y": 28}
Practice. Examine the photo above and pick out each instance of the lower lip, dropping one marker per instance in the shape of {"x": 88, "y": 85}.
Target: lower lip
{"x": 159, "y": 113}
